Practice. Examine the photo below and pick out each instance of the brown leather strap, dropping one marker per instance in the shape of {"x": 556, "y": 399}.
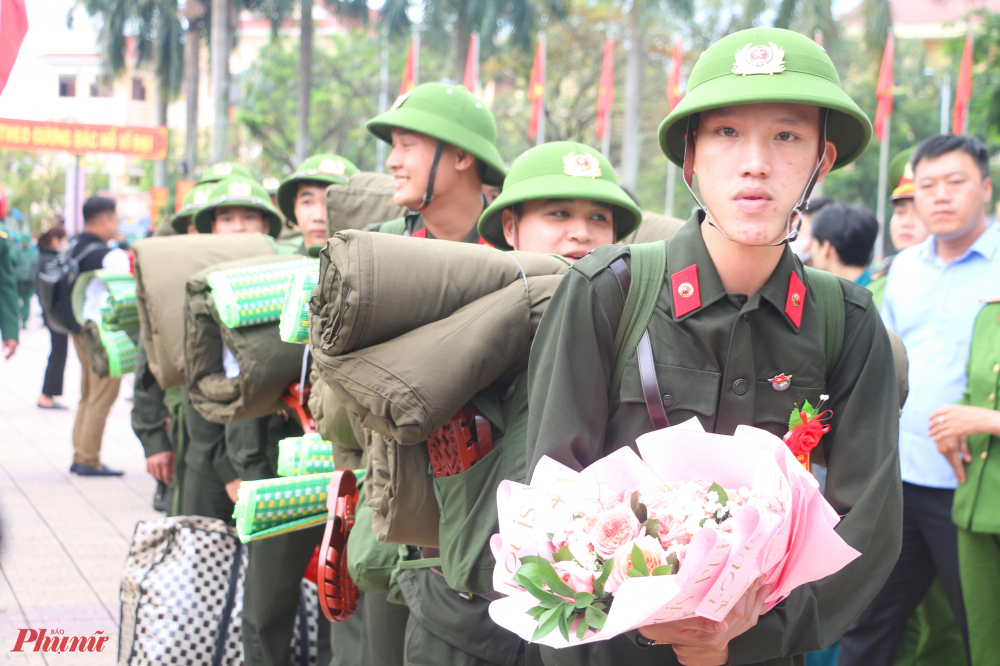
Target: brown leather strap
{"x": 644, "y": 354}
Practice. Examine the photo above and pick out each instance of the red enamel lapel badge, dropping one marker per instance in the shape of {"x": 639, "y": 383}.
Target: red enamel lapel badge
{"x": 796, "y": 299}
{"x": 687, "y": 295}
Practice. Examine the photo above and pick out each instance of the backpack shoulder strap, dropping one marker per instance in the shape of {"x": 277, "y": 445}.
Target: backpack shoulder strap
{"x": 396, "y": 227}
{"x": 830, "y": 297}
{"x": 87, "y": 251}
{"x": 640, "y": 288}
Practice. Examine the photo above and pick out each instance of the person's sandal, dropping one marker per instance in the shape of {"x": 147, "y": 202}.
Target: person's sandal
{"x": 54, "y": 405}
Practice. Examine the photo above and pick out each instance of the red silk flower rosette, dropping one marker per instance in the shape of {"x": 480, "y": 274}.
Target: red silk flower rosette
{"x": 806, "y": 428}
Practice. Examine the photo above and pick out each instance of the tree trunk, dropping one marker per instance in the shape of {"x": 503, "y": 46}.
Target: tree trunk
{"x": 160, "y": 166}
{"x": 192, "y": 74}
{"x": 633, "y": 101}
{"x": 463, "y": 32}
{"x": 305, "y": 80}
{"x": 221, "y": 41}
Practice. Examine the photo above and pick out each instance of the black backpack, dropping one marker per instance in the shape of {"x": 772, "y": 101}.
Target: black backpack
{"x": 55, "y": 288}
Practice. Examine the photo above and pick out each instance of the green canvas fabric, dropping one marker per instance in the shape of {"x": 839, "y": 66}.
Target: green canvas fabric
{"x": 563, "y": 170}
{"x": 238, "y": 191}
{"x": 110, "y": 353}
{"x": 275, "y": 506}
{"x": 195, "y": 199}
{"x": 222, "y": 170}
{"x": 309, "y": 454}
{"x": 366, "y": 199}
{"x": 253, "y": 295}
{"x": 809, "y": 77}
{"x": 119, "y": 313}
{"x": 325, "y": 169}
{"x": 367, "y": 293}
{"x": 335, "y": 424}
{"x": 267, "y": 364}
{"x": 293, "y": 323}
{"x": 449, "y": 113}
{"x": 163, "y": 265}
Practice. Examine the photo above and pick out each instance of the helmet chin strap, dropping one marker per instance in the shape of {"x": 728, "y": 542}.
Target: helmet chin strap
{"x": 791, "y": 232}
{"x": 429, "y": 194}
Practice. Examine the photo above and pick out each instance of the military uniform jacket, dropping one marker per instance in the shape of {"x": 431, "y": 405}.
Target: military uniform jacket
{"x": 714, "y": 355}
{"x": 8, "y": 291}
{"x": 977, "y": 501}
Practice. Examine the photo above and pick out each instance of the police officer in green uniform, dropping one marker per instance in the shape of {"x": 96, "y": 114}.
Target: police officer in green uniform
{"x": 8, "y": 298}
{"x": 275, "y": 567}
{"x": 764, "y": 117}
{"x": 966, "y": 433}
{"x": 443, "y": 151}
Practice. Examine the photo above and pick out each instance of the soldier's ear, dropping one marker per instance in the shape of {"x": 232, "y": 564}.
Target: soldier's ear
{"x": 828, "y": 160}
{"x": 507, "y": 221}
{"x": 464, "y": 160}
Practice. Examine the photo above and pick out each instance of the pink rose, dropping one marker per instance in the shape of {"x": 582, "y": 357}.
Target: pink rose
{"x": 575, "y": 576}
{"x": 652, "y": 553}
{"x": 613, "y": 529}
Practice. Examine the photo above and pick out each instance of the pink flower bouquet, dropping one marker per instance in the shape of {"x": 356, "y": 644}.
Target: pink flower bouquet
{"x": 682, "y": 531}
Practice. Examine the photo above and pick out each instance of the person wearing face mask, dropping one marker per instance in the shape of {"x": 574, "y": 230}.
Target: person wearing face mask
{"x": 739, "y": 335}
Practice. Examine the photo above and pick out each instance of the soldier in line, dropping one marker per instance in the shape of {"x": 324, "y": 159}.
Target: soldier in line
{"x": 737, "y": 309}
{"x": 8, "y": 298}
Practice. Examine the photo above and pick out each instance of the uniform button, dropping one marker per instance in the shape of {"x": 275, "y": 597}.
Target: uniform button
{"x": 741, "y": 386}
{"x": 982, "y": 456}
{"x": 668, "y": 400}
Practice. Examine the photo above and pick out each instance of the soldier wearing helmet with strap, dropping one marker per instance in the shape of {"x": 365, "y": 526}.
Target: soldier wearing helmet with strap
{"x": 740, "y": 333}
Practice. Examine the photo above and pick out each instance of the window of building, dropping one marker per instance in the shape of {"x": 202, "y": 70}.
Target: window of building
{"x": 98, "y": 89}
{"x": 138, "y": 90}
{"x": 67, "y": 86}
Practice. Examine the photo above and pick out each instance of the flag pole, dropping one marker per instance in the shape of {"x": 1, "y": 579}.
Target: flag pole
{"x": 416, "y": 57}
{"x": 883, "y": 176}
{"x": 540, "y": 137}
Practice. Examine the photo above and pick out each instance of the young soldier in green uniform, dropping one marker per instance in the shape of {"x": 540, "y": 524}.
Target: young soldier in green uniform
{"x": 274, "y": 571}
{"x": 965, "y": 433}
{"x": 560, "y": 198}
{"x": 8, "y": 298}
{"x": 764, "y": 117}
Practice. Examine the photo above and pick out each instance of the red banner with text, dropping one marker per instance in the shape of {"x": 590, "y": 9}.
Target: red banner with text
{"x": 146, "y": 143}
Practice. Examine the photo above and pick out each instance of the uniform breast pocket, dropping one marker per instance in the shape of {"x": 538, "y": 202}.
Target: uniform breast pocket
{"x": 774, "y": 408}
{"x": 684, "y": 392}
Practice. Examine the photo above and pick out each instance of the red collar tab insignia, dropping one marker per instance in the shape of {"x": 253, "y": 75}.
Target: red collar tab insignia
{"x": 781, "y": 382}
{"x": 687, "y": 295}
{"x": 795, "y": 302}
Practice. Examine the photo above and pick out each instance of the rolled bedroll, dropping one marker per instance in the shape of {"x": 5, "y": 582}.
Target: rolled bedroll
{"x": 366, "y": 199}
{"x": 653, "y": 227}
{"x": 374, "y": 287}
{"x": 162, "y": 268}
{"x": 266, "y": 364}
{"x": 118, "y": 311}
{"x": 294, "y": 319}
{"x": 109, "y": 353}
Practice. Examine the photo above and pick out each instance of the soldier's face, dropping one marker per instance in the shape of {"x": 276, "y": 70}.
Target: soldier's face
{"x": 310, "y": 211}
{"x": 568, "y": 227}
{"x": 410, "y": 164}
{"x": 905, "y": 228}
{"x": 950, "y": 194}
{"x": 238, "y": 220}
{"x": 753, "y": 162}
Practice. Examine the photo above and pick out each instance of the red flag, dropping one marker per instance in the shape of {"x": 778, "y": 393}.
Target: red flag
{"x": 13, "y": 26}
{"x": 536, "y": 88}
{"x": 471, "y": 79}
{"x": 884, "y": 90}
{"x": 410, "y": 71}
{"x": 674, "y": 80}
{"x": 606, "y": 89}
{"x": 963, "y": 91}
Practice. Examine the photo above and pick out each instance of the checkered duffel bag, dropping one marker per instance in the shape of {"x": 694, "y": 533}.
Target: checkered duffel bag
{"x": 182, "y": 597}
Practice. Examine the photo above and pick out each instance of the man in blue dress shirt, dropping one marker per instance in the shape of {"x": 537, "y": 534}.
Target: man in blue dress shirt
{"x": 933, "y": 294}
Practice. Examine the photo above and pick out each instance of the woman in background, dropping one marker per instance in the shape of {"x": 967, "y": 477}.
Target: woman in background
{"x": 50, "y": 245}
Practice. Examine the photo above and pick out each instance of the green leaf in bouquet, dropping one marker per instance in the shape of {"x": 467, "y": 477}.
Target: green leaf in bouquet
{"x": 663, "y": 570}
{"x": 603, "y": 578}
{"x": 536, "y": 591}
{"x": 639, "y": 562}
{"x": 638, "y": 508}
{"x": 595, "y": 618}
{"x": 530, "y": 571}
{"x": 552, "y": 579}
{"x": 583, "y": 599}
{"x": 652, "y": 526}
{"x": 562, "y": 555}
{"x": 564, "y": 626}
{"x": 723, "y": 497}
{"x": 796, "y": 418}
{"x": 673, "y": 561}
{"x": 598, "y": 605}
{"x": 581, "y": 628}
{"x": 536, "y": 612}
{"x": 547, "y": 623}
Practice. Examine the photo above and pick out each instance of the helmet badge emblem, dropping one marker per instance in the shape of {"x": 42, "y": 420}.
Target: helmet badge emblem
{"x": 201, "y": 196}
{"x": 582, "y": 165}
{"x": 222, "y": 170}
{"x": 759, "y": 59}
{"x": 239, "y": 189}
{"x": 399, "y": 100}
{"x": 333, "y": 167}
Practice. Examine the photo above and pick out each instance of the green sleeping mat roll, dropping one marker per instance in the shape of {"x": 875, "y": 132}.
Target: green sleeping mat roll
{"x": 252, "y": 295}
{"x": 274, "y": 506}
{"x": 309, "y": 454}
{"x": 294, "y": 322}
{"x": 119, "y": 312}
{"x": 110, "y": 353}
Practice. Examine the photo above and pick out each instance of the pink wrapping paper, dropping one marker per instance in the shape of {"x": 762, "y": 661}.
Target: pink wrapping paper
{"x": 792, "y": 544}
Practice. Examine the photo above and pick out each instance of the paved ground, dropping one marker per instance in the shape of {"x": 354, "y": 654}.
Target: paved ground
{"x": 64, "y": 537}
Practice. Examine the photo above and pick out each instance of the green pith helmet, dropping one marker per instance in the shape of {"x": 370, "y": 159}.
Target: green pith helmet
{"x": 222, "y": 170}
{"x": 237, "y": 191}
{"x": 326, "y": 168}
{"x": 901, "y": 176}
{"x": 195, "y": 199}
{"x": 560, "y": 170}
{"x": 768, "y": 65}
{"x": 450, "y": 114}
